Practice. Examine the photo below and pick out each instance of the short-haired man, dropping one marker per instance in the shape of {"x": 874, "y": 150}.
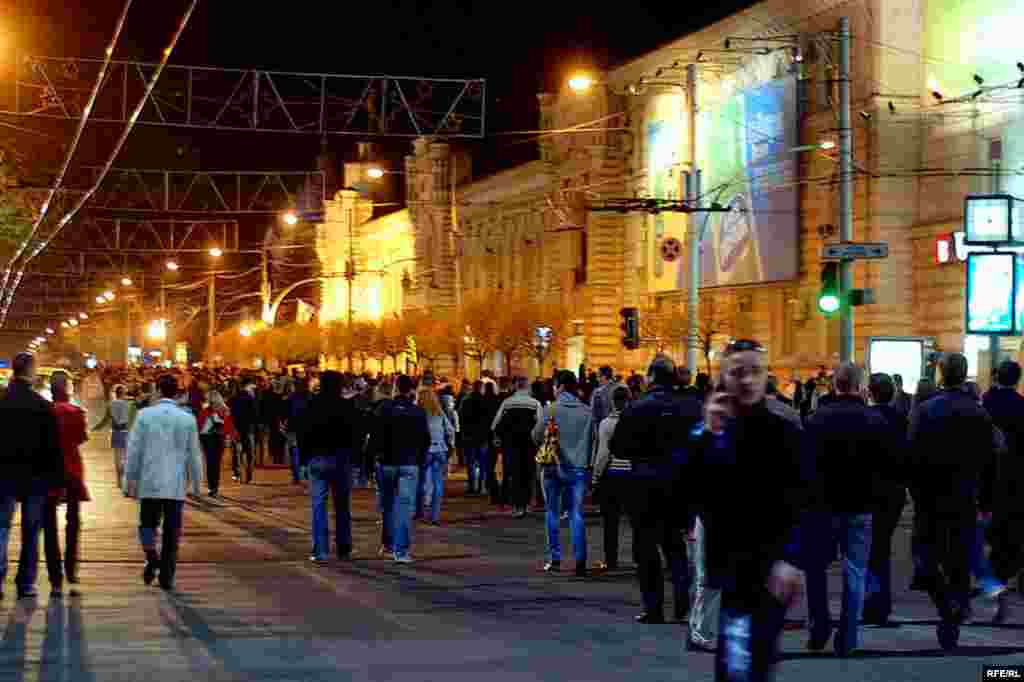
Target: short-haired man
{"x": 601, "y": 400}
{"x": 1006, "y": 527}
{"x": 164, "y": 455}
{"x": 850, "y": 444}
{"x": 952, "y": 475}
{"x": 654, "y": 434}
{"x": 749, "y": 454}
{"x": 576, "y": 437}
{"x": 33, "y": 466}
{"x": 514, "y": 424}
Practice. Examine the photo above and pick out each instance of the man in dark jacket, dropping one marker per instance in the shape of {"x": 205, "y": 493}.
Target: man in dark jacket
{"x": 889, "y": 502}
{"x": 654, "y": 434}
{"x": 33, "y": 464}
{"x": 245, "y": 414}
{"x": 951, "y": 472}
{"x": 850, "y": 445}
{"x": 295, "y": 411}
{"x": 401, "y": 439}
{"x": 750, "y": 480}
{"x": 514, "y": 425}
{"x": 475, "y": 435}
{"x": 329, "y": 434}
{"x": 1006, "y": 407}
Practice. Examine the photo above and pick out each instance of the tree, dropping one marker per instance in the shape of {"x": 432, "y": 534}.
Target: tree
{"x": 431, "y": 332}
{"x": 714, "y": 322}
{"x": 516, "y": 325}
{"x": 392, "y": 339}
{"x": 664, "y": 326}
{"x": 480, "y": 324}
{"x": 364, "y": 342}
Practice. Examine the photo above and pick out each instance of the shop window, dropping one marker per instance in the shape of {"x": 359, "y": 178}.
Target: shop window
{"x": 973, "y": 344}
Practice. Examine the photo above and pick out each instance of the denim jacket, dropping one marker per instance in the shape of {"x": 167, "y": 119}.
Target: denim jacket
{"x": 442, "y": 434}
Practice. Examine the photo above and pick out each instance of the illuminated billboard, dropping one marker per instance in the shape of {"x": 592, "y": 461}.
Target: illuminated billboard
{"x": 991, "y": 293}
{"x": 745, "y": 152}
{"x": 666, "y": 151}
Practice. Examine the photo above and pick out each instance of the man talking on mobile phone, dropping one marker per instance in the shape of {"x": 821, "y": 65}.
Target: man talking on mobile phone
{"x": 752, "y": 483}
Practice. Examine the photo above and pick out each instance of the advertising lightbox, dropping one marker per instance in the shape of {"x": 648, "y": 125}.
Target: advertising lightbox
{"x": 991, "y": 293}
{"x": 987, "y": 219}
{"x": 746, "y": 141}
{"x": 898, "y": 355}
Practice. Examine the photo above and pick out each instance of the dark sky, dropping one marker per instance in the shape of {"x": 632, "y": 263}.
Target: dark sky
{"x": 520, "y": 48}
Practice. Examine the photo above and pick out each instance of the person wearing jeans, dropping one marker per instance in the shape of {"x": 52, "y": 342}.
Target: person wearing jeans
{"x": 575, "y": 452}
{"x": 33, "y": 465}
{"x": 330, "y": 432}
{"x": 706, "y": 600}
{"x": 517, "y": 417}
{"x": 854, "y": 455}
{"x": 400, "y": 437}
{"x": 435, "y": 467}
{"x": 475, "y": 436}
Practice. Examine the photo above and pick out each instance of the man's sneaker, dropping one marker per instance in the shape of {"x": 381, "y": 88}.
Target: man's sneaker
{"x": 699, "y": 642}
{"x": 552, "y": 567}
{"x": 817, "y": 642}
{"x": 948, "y": 634}
{"x": 1002, "y": 609}
{"x": 403, "y": 559}
{"x": 149, "y": 573}
{"x": 384, "y": 551}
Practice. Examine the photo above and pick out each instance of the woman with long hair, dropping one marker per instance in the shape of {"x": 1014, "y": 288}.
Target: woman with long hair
{"x": 215, "y": 428}
{"x": 120, "y": 421}
{"x": 434, "y": 471}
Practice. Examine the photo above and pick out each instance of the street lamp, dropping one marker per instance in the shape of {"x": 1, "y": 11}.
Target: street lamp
{"x": 108, "y": 295}
{"x": 172, "y": 266}
{"x": 73, "y": 322}
{"x": 290, "y": 218}
{"x": 84, "y": 316}
{"x": 581, "y": 82}
{"x": 375, "y": 173}
{"x": 126, "y": 281}
{"x": 50, "y": 331}
{"x": 245, "y": 330}
{"x": 216, "y": 252}
{"x": 101, "y": 300}
{"x": 65, "y": 324}
{"x": 157, "y": 330}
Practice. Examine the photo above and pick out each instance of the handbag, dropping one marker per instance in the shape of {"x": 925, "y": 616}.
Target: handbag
{"x": 549, "y": 450}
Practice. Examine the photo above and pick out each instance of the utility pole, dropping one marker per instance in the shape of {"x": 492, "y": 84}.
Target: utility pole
{"x": 845, "y": 193}
{"x": 693, "y": 230}
{"x": 211, "y": 316}
{"x": 265, "y": 285}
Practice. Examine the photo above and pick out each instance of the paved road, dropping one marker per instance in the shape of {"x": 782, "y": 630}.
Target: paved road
{"x": 474, "y": 606}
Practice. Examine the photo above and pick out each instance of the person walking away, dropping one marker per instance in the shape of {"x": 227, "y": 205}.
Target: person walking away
{"x": 401, "y": 438}
{"x": 850, "y": 444}
{"x": 1006, "y": 526}
{"x": 32, "y": 463}
{"x": 748, "y": 453}
{"x": 120, "y": 421}
{"x": 72, "y": 432}
{"x": 164, "y": 456}
{"x": 951, "y": 469}
{"x": 601, "y": 398}
{"x": 609, "y": 480}
{"x": 245, "y": 414}
{"x": 216, "y": 428}
{"x": 295, "y": 409}
{"x": 575, "y": 437}
{"x": 475, "y": 428}
{"x": 435, "y": 470}
{"x": 274, "y": 416}
{"x": 926, "y": 389}
{"x": 901, "y": 400}
{"x": 513, "y": 426}
{"x": 654, "y": 434}
{"x": 447, "y": 398}
{"x": 329, "y": 438}
{"x": 491, "y": 405}
{"x": 889, "y": 502}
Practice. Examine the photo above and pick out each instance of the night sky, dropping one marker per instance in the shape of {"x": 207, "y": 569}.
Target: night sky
{"x": 520, "y": 48}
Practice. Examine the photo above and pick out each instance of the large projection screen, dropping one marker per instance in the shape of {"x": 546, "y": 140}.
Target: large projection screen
{"x": 746, "y": 143}
{"x": 894, "y": 355}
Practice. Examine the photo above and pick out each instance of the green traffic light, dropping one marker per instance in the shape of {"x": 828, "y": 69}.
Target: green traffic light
{"x": 828, "y": 303}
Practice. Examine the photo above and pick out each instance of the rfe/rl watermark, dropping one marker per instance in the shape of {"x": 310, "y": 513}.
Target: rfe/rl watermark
{"x": 1002, "y": 672}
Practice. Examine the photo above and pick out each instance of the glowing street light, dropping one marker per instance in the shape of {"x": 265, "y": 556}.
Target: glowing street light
{"x": 65, "y": 324}
{"x": 172, "y": 266}
{"x": 73, "y": 322}
{"x": 246, "y": 330}
{"x": 101, "y": 300}
{"x": 290, "y": 218}
{"x": 50, "y": 331}
{"x": 375, "y": 173}
{"x": 216, "y": 252}
{"x": 108, "y": 295}
{"x": 581, "y": 83}
{"x": 126, "y": 281}
{"x": 157, "y": 330}
{"x": 827, "y": 144}
{"x": 84, "y": 316}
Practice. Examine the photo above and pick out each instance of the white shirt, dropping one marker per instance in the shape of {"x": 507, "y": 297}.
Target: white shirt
{"x": 164, "y": 453}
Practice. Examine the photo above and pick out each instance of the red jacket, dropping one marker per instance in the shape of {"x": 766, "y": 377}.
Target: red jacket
{"x": 229, "y": 425}
{"x": 71, "y": 432}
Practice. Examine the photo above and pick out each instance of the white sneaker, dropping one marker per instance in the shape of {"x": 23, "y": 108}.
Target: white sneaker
{"x": 404, "y": 559}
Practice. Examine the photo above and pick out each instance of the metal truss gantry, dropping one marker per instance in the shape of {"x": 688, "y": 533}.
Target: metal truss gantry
{"x": 254, "y": 100}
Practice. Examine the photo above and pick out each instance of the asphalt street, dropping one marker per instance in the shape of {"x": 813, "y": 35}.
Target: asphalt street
{"x": 474, "y": 605}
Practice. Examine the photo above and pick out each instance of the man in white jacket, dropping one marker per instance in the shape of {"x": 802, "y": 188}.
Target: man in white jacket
{"x": 163, "y": 457}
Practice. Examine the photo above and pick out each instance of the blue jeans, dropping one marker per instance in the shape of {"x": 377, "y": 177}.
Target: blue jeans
{"x": 398, "y": 496}
{"x": 330, "y": 475}
{"x": 293, "y": 457}
{"x": 981, "y": 567}
{"x": 852, "y": 534}
{"x": 576, "y": 481}
{"x": 475, "y": 458}
{"x": 436, "y": 472}
{"x": 32, "y": 508}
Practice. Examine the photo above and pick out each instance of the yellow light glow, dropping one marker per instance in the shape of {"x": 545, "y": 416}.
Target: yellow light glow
{"x": 157, "y": 330}
{"x": 375, "y": 173}
{"x": 246, "y": 330}
{"x": 216, "y": 252}
{"x": 581, "y": 82}
{"x": 50, "y": 331}
{"x": 108, "y": 295}
{"x": 172, "y": 266}
{"x": 126, "y": 282}
{"x": 290, "y": 218}
{"x": 101, "y": 300}
{"x": 73, "y": 323}
{"x": 84, "y": 316}
{"x": 827, "y": 144}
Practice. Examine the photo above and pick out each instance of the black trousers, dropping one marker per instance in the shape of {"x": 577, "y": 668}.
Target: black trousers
{"x": 51, "y": 541}
{"x": 151, "y": 513}
{"x": 520, "y": 472}
{"x": 242, "y": 461}
{"x": 213, "y": 449}
{"x": 612, "y": 498}
{"x": 947, "y": 539}
{"x": 1007, "y": 549}
{"x": 658, "y": 522}
{"x": 884, "y": 523}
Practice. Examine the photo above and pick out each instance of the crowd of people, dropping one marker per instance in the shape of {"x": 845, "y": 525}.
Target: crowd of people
{"x": 758, "y": 491}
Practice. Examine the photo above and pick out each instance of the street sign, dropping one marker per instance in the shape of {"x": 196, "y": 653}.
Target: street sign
{"x": 854, "y": 251}
{"x": 671, "y": 250}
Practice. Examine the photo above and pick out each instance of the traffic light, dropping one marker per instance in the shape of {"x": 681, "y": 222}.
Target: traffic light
{"x": 828, "y": 298}
{"x": 630, "y": 328}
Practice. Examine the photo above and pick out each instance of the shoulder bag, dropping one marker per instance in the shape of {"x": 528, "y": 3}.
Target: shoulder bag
{"x": 549, "y": 450}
